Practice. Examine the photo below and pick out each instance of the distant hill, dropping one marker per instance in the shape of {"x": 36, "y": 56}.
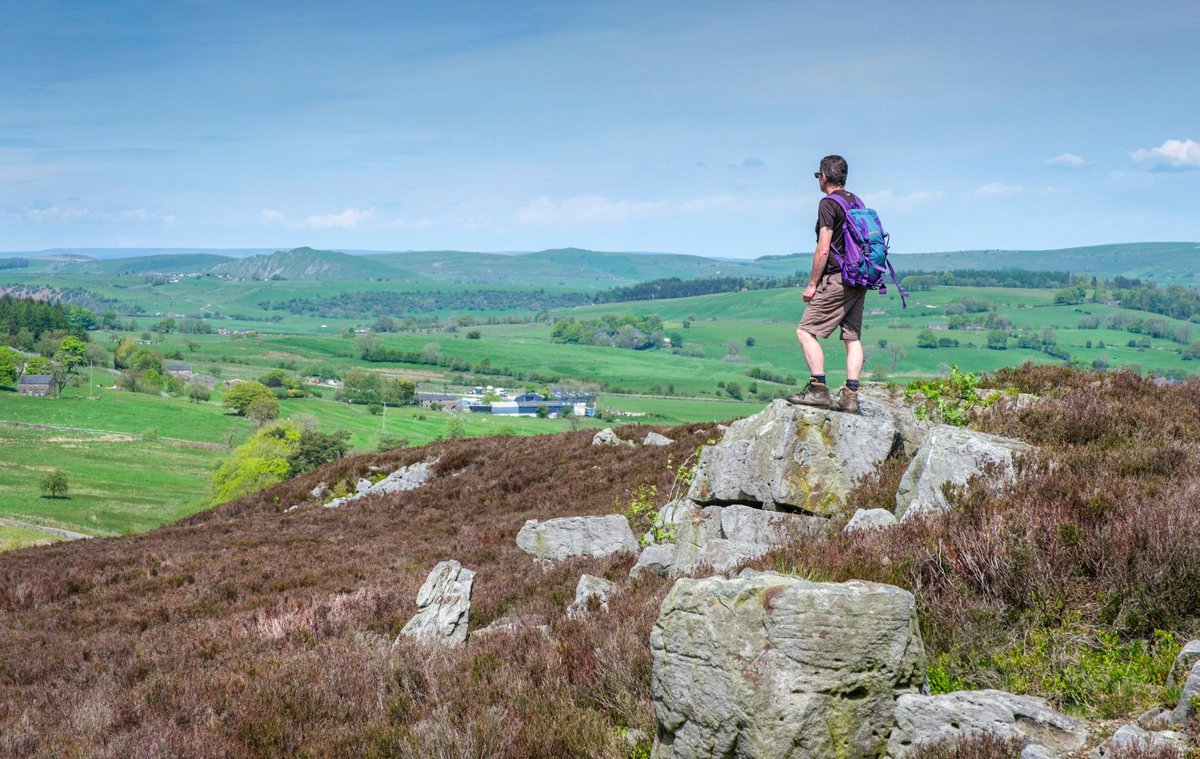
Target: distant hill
{"x": 307, "y": 264}
{"x": 581, "y": 269}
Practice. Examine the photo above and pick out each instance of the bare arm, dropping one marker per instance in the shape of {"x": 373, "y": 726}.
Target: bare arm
{"x": 820, "y": 256}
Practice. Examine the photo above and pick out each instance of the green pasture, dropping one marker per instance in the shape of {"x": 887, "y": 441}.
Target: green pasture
{"x": 118, "y": 483}
{"x": 12, "y": 538}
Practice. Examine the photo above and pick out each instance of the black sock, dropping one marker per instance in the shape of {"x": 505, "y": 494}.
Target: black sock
{"x": 852, "y": 384}
{"x": 819, "y": 378}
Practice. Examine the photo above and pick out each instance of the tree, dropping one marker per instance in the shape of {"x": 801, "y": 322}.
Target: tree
{"x": 456, "y": 429}
{"x": 896, "y": 354}
{"x": 368, "y": 344}
{"x": 8, "y": 366}
{"x": 258, "y": 463}
{"x": 997, "y": 340}
{"x": 71, "y": 354}
{"x": 241, "y": 395}
{"x": 315, "y": 448}
{"x": 197, "y": 391}
{"x": 54, "y": 484}
{"x": 262, "y": 409}
{"x": 926, "y": 339}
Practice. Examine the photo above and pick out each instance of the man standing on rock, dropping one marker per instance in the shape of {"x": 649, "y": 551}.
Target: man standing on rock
{"x": 830, "y": 303}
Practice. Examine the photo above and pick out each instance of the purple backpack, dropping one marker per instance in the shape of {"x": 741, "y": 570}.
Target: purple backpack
{"x": 865, "y": 261}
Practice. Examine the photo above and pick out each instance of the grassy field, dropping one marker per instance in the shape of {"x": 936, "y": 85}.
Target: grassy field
{"x": 12, "y": 538}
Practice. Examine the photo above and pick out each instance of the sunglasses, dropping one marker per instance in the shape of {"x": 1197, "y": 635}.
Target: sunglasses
{"x": 816, "y": 175}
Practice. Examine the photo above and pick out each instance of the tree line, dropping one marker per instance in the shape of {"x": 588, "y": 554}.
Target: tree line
{"x": 381, "y": 303}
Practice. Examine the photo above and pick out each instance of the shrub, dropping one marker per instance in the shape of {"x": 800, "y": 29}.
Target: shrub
{"x": 243, "y": 394}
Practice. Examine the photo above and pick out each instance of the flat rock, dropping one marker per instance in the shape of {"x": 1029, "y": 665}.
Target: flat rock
{"x": 722, "y": 537}
{"x": 362, "y": 486}
{"x": 513, "y": 625}
{"x": 870, "y": 519}
{"x": 443, "y": 606}
{"x": 653, "y": 438}
{"x": 771, "y": 665}
{"x": 568, "y": 537}
{"x": 925, "y": 720}
{"x": 607, "y": 437}
{"x": 796, "y": 458}
{"x": 951, "y": 455}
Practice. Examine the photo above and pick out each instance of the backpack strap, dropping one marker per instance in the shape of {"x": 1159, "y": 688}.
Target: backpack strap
{"x": 846, "y": 207}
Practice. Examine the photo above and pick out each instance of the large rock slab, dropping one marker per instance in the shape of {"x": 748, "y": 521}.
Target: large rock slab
{"x": 568, "y": 537}
{"x": 770, "y": 665}
{"x": 875, "y": 400}
{"x": 1187, "y": 658}
{"x": 792, "y": 457}
{"x": 951, "y": 455}
{"x": 924, "y": 720}
{"x": 443, "y": 606}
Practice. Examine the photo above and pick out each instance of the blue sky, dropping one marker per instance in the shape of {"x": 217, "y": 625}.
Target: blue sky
{"x": 687, "y": 127}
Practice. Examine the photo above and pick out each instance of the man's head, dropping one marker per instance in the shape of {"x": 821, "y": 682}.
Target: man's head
{"x": 834, "y": 169}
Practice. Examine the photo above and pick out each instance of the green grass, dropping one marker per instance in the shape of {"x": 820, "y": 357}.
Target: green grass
{"x": 12, "y": 538}
{"x": 117, "y": 484}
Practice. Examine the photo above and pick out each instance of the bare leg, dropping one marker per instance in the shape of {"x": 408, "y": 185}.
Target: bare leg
{"x": 813, "y": 355}
{"x": 854, "y": 359}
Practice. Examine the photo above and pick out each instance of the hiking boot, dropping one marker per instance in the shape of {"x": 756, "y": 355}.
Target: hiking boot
{"x": 814, "y": 394}
{"x": 847, "y": 401}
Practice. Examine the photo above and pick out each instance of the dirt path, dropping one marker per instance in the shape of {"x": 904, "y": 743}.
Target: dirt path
{"x": 42, "y": 528}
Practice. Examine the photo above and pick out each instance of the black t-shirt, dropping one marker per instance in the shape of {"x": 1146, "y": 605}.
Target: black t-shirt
{"x": 830, "y": 214}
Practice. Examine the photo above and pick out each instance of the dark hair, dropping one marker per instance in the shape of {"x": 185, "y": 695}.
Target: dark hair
{"x": 835, "y": 169}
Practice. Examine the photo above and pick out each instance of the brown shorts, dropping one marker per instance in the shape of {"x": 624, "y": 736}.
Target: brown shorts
{"x": 835, "y": 305}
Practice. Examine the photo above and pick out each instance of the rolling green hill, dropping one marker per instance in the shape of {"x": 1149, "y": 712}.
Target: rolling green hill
{"x": 307, "y": 263}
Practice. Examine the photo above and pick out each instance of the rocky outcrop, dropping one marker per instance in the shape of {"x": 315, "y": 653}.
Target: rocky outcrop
{"x": 443, "y": 606}
{"x": 768, "y": 665}
{"x": 924, "y": 720}
{"x": 568, "y": 537}
{"x": 1187, "y": 658}
{"x": 875, "y": 400}
{"x": 590, "y": 590}
{"x": 951, "y": 455}
{"x": 794, "y": 458}
{"x": 403, "y": 479}
{"x": 870, "y": 519}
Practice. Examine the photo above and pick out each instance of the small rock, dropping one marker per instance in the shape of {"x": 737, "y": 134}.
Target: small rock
{"x": 1037, "y": 751}
{"x": 443, "y": 606}
{"x": 634, "y": 737}
{"x": 1187, "y": 658}
{"x": 512, "y": 625}
{"x": 653, "y": 438}
{"x": 320, "y": 492}
{"x": 566, "y": 537}
{"x": 655, "y": 559}
{"x": 590, "y": 587}
{"x": 1186, "y": 708}
{"x": 870, "y": 519}
{"x": 1132, "y": 736}
{"x": 362, "y": 486}
{"x": 606, "y": 437}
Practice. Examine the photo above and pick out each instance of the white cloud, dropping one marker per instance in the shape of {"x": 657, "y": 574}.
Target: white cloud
{"x": 418, "y": 224}
{"x": 995, "y": 190}
{"x": 1173, "y": 154}
{"x": 347, "y": 219}
{"x": 350, "y": 218}
{"x": 1068, "y": 161}
{"x": 591, "y": 210}
{"x": 57, "y": 214}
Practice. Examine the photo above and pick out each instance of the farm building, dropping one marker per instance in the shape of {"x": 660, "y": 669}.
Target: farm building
{"x": 37, "y": 385}
{"x": 179, "y": 369}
